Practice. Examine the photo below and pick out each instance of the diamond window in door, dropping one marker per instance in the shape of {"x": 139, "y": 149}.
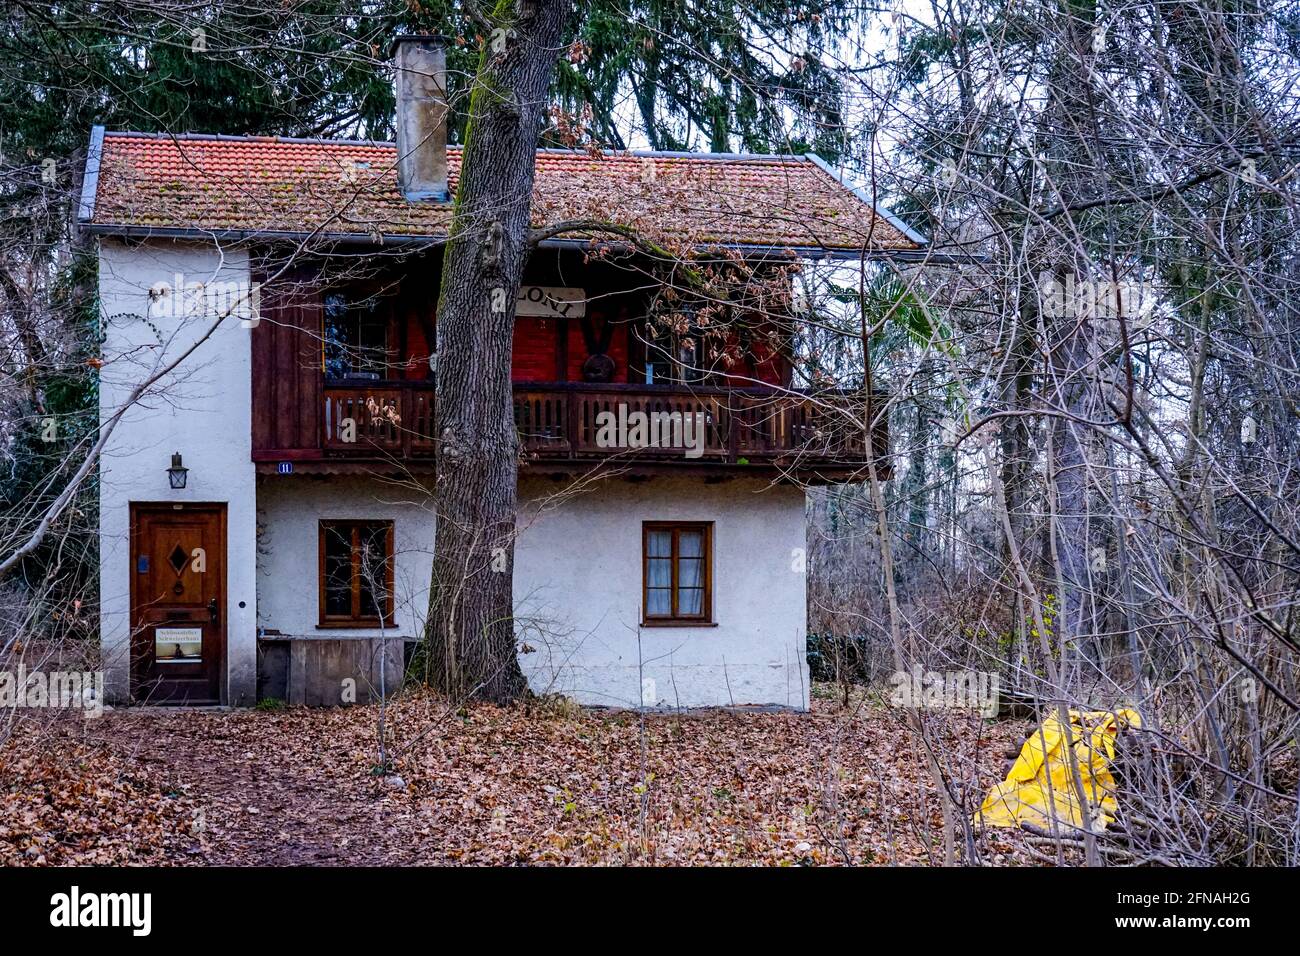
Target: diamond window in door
{"x": 178, "y": 559}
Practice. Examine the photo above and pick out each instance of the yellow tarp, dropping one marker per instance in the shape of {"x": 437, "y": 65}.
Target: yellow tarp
{"x": 1040, "y": 784}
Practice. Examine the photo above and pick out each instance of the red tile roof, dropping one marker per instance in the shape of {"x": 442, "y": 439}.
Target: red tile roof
{"x": 268, "y": 185}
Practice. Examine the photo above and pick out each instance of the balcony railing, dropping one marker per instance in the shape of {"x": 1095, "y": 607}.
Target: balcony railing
{"x": 566, "y": 421}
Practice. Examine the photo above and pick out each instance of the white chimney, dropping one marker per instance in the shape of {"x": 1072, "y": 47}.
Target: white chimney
{"x": 420, "y": 85}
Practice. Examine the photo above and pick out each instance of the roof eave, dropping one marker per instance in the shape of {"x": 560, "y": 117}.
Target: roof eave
{"x": 265, "y": 235}
{"x": 90, "y": 181}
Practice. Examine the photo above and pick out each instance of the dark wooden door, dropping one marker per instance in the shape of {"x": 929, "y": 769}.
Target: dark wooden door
{"x": 178, "y": 603}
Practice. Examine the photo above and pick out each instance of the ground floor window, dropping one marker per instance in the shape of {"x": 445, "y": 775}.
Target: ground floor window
{"x": 677, "y": 572}
{"x": 356, "y": 573}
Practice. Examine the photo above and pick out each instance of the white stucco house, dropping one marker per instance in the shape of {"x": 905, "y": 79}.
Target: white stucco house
{"x": 268, "y": 377}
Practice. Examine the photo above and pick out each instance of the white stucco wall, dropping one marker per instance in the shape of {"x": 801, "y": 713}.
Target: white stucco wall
{"x": 577, "y": 565}
{"x": 578, "y": 583}
{"x": 290, "y": 509}
{"x": 202, "y": 411}
{"x": 578, "y": 595}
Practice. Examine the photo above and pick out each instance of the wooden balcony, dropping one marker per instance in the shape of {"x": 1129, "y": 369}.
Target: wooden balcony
{"x": 560, "y": 425}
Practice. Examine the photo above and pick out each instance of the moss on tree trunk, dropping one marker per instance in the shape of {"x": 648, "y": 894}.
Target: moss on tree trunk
{"x": 470, "y": 631}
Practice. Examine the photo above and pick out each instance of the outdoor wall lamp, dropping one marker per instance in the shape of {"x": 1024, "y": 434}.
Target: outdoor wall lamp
{"x": 177, "y": 472}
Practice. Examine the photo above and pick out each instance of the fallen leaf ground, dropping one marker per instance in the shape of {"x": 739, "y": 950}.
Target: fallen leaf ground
{"x": 544, "y": 784}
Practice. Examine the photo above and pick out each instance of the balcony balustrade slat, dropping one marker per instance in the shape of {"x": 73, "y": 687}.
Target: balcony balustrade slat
{"x": 562, "y": 421}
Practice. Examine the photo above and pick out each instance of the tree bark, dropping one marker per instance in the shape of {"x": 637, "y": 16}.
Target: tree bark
{"x": 469, "y": 633}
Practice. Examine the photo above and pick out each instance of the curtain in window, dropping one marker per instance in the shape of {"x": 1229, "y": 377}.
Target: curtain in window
{"x": 659, "y": 573}
{"x": 690, "y": 573}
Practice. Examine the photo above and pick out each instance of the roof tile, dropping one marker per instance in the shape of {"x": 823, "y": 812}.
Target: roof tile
{"x": 268, "y": 184}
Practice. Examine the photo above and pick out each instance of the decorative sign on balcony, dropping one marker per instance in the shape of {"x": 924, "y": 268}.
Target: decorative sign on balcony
{"x": 562, "y": 301}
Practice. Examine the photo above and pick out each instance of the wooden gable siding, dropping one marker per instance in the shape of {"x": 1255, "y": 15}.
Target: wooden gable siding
{"x": 536, "y": 349}
{"x": 757, "y": 362}
{"x": 286, "y": 379}
{"x": 577, "y": 351}
{"x": 543, "y": 345}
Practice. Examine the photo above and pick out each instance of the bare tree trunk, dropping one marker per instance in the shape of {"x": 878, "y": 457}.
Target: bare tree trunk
{"x": 470, "y": 631}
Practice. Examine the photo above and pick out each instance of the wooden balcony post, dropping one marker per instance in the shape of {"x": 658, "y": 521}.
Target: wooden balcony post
{"x": 572, "y": 421}
{"x": 733, "y": 435}
{"x": 406, "y": 409}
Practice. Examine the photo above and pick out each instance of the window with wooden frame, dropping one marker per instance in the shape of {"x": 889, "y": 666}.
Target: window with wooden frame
{"x": 677, "y": 572}
{"x": 360, "y": 337}
{"x": 677, "y": 358}
{"x": 356, "y": 573}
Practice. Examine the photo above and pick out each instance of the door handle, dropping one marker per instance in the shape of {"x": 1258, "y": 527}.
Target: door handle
{"x": 213, "y": 613}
